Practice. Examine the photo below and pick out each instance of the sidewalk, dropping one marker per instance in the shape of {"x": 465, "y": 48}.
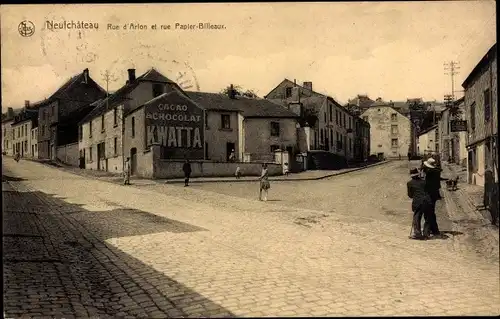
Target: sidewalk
{"x": 114, "y": 177}
{"x": 462, "y": 206}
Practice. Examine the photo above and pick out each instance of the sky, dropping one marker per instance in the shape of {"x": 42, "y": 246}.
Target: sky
{"x": 393, "y": 50}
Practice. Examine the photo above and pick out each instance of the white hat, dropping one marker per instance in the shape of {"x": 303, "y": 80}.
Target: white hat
{"x": 430, "y": 163}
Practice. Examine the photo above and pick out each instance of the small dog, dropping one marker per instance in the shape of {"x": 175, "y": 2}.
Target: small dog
{"x": 452, "y": 184}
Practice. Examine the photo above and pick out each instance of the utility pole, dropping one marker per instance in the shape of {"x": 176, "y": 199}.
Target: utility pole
{"x": 108, "y": 77}
{"x": 452, "y": 68}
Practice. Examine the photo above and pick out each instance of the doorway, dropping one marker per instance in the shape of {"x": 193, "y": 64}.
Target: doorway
{"x": 229, "y": 150}
{"x": 133, "y": 161}
{"x": 470, "y": 165}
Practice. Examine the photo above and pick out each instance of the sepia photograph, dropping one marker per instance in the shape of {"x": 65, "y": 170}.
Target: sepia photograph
{"x": 259, "y": 159}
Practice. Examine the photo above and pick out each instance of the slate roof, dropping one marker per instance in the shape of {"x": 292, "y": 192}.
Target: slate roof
{"x": 120, "y": 95}
{"x": 246, "y": 106}
{"x": 489, "y": 56}
{"x": 427, "y": 130}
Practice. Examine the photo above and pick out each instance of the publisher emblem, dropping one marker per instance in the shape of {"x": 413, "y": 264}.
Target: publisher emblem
{"x": 26, "y": 28}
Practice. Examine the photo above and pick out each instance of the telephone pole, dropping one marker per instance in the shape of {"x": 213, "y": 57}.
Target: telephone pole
{"x": 108, "y": 77}
{"x": 452, "y": 68}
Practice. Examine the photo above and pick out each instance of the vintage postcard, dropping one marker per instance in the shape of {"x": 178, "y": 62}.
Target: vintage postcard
{"x": 250, "y": 159}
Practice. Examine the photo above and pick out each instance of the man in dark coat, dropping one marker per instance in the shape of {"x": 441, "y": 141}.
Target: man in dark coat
{"x": 432, "y": 186}
{"x": 187, "y": 172}
{"x": 421, "y": 204}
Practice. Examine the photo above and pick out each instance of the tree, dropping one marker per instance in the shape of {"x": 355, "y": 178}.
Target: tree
{"x": 239, "y": 91}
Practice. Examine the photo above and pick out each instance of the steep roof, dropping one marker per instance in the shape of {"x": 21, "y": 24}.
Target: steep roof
{"x": 489, "y": 56}
{"x": 427, "y": 130}
{"x": 120, "y": 95}
{"x": 152, "y": 75}
{"x": 247, "y": 106}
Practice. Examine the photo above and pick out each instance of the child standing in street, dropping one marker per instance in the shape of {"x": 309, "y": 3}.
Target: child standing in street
{"x": 238, "y": 172}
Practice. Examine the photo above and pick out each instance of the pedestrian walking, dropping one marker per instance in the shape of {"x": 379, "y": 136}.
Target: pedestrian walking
{"x": 126, "y": 172}
{"x": 238, "y": 172}
{"x": 432, "y": 187}
{"x": 186, "y": 168}
{"x": 17, "y": 157}
{"x": 421, "y": 205}
{"x": 264, "y": 182}
{"x": 409, "y": 156}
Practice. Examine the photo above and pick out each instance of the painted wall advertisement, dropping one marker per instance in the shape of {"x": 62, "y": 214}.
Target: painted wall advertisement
{"x": 177, "y": 124}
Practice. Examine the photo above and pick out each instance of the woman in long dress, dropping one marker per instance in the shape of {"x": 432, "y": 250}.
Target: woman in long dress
{"x": 264, "y": 182}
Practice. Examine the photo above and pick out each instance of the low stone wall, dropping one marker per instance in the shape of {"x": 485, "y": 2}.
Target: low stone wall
{"x": 173, "y": 169}
{"x": 68, "y": 154}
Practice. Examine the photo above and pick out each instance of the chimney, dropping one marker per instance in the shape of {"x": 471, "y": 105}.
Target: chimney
{"x": 308, "y": 85}
{"x": 131, "y": 75}
{"x": 86, "y": 76}
{"x": 10, "y": 112}
{"x": 294, "y": 82}
{"x": 231, "y": 92}
{"x": 27, "y": 104}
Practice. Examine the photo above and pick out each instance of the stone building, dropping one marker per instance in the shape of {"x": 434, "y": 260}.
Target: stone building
{"x": 481, "y": 111}
{"x": 7, "y": 132}
{"x": 429, "y": 141}
{"x": 101, "y": 146}
{"x": 253, "y": 128}
{"x": 391, "y": 133}
{"x": 59, "y": 114}
{"x": 329, "y": 126}
{"x": 22, "y": 127}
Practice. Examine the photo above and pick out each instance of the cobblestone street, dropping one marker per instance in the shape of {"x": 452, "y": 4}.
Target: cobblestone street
{"x": 81, "y": 247}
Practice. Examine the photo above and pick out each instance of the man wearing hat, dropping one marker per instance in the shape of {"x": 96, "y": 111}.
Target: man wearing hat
{"x": 421, "y": 204}
{"x": 432, "y": 186}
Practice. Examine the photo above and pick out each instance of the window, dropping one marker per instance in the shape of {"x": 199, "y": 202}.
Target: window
{"x": 80, "y": 132}
{"x": 90, "y": 129}
{"x": 90, "y": 154}
{"x": 288, "y": 92}
{"x": 394, "y": 142}
{"x": 157, "y": 89}
{"x": 487, "y": 105}
{"x": 473, "y": 116}
{"x": 206, "y": 150}
{"x": 115, "y": 117}
{"x": 102, "y": 123}
{"x": 133, "y": 126}
{"x": 394, "y": 129}
{"x": 274, "y": 148}
{"x": 52, "y": 110}
{"x": 115, "y": 145}
{"x": 206, "y": 121}
{"x": 331, "y": 113}
{"x": 394, "y": 117}
{"x": 275, "y": 129}
{"x": 225, "y": 121}
{"x": 343, "y": 119}
{"x": 324, "y": 117}
{"x": 331, "y": 136}
{"x": 337, "y": 117}
{"x": 321, "y": 136}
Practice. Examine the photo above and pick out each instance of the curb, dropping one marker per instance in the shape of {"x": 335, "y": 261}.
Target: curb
{"x": 162, "y": 181}
{"x": 193, "y": 181}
